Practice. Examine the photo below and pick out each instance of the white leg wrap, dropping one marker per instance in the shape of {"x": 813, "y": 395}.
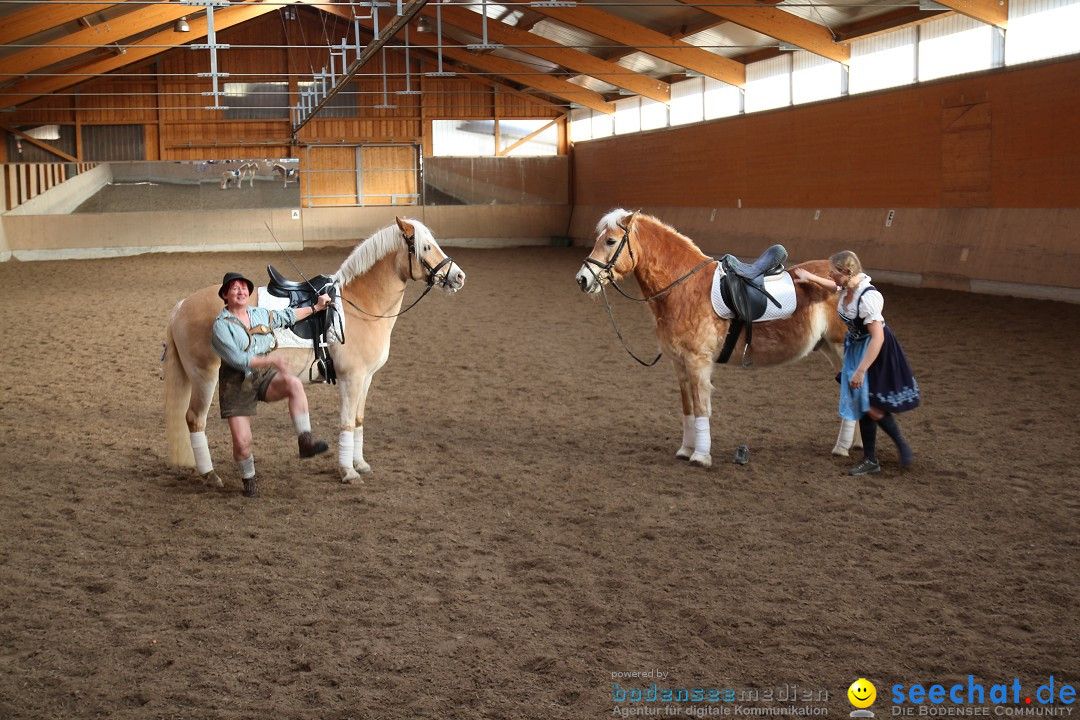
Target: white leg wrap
{"x": 702, "y": 436}
{"x": 302, "y": 423}
{"x": 203, "y": 463}
{"x": 358, "y": 444}
{"x": 845, "y": 438}
{"x": 345, "y": 449}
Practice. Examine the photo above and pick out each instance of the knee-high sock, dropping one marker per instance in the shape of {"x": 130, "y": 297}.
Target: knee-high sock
{"x": 868, "y": 431}
{"x": 892, "y": 429}
{"x": 246, "y": 467}
{"x": 847, "y": 434}
{"x": 302, "y": 423}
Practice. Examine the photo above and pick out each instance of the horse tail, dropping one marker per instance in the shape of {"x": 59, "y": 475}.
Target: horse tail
{"x": 177, "y": 397}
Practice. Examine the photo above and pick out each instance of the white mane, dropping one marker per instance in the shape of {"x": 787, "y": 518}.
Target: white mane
{"x": 383, "y": 242}
{"x": 611, "y": 220}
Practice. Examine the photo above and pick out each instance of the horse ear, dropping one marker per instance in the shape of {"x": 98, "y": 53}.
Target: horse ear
{"x": 405, "y": 226}
{"x": 632, "y": 217}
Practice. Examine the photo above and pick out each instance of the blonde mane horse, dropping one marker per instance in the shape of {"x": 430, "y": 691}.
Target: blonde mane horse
{"x": 690, "y": 331}
{"x": 372, "y": 280}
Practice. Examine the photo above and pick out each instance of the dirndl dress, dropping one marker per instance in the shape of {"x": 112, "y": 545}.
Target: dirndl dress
{"x": 890, "y": 384}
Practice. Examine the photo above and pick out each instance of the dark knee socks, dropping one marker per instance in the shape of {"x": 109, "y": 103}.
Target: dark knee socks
{"x": 892, "y": 429}
{"x": 868, "y": 432}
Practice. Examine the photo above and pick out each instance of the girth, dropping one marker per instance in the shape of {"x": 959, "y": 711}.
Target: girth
{"x": 306, "y": 294}
{"x": 742, "y": 288}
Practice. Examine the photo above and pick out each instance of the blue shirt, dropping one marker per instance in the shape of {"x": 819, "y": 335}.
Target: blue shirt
{"x": 236, "y": 344}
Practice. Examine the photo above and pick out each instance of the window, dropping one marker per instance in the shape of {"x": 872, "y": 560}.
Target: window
{"x": 768, "y": 84}
{"x": 721, "y": 99}
{"x": 544, "y": 142}
{"x": 883, "y": 61}
{"x": 1041, "y": 29}
{"x": 954, "y": 45}
{"x": 687, "y": 101}
{"x": 815, "y": 78}
{"x": 256, "y": 101}
{"x": 462, "y": 138}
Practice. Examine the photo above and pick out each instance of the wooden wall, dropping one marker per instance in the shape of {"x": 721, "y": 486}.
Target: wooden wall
{"x": 165, "y": 96}
{"x": 982, "y": 171}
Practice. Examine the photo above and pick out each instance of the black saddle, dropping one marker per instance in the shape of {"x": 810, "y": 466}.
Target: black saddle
{"x": 306, "y": 294}
{"x": 742, "y": 288}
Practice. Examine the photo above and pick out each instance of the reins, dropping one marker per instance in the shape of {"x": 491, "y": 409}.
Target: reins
{"x": 433, "y": 274}
{"x": 610, "y": 264}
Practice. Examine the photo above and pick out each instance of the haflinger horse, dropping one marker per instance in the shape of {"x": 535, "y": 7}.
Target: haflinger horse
{"x": 690, "y": 332}
{"x": 372, "y": 282}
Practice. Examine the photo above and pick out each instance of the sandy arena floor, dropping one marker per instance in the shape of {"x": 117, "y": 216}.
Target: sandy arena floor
{"x": 527, "y": 533}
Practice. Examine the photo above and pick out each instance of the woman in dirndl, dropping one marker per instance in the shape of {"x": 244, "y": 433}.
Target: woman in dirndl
{"x": 876, "y": 382}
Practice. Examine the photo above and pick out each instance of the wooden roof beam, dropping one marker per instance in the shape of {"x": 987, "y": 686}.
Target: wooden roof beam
{"x": 510, "y": 69}
{"x": 45, "y": 16}
{"x": 569, "y": 58}
{"x": 991, "y": 12}
{"x": 647, "y": 41}
{"x": 781, "y": 25}
{"x": 28, "y": 90}
{"x": 114, "y": 31}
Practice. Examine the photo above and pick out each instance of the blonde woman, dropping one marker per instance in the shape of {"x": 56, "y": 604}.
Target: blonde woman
{"x": 876, "y": 382}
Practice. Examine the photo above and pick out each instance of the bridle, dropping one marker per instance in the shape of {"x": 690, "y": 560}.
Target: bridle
{"x": 433, "y": 272}
{"x": 609, "y": 266}
{"x": 433, "y": 277}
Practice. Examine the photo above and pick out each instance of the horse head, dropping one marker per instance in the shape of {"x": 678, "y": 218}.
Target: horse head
{"x": 612, "y": 256}
{"x": 427, "y": 262}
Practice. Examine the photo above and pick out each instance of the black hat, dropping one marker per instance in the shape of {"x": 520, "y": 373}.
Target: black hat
{"x": 229, "y": 277}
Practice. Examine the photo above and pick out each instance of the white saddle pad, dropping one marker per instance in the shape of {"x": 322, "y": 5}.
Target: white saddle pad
{"x": 286, "y": 338}
{"x": 781, "y": 287}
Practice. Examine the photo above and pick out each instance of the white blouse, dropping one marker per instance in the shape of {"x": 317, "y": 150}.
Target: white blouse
{"x": 873, "y": 302}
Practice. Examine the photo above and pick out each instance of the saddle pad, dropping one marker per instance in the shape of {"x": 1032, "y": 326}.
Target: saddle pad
{"x": 286, "y": 338}
{"x": 781, "y": 287}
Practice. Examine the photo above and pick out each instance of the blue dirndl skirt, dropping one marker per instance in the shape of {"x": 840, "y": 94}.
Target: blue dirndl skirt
{"x": 890, "y": 384}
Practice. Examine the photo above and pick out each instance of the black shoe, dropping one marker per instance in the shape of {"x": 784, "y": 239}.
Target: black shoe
{"x": 866, "y": 467}
{"x": 309, "y": 446}
{"x": 251, "y": 487}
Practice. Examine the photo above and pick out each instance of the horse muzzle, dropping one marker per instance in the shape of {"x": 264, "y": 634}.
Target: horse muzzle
{"x": 589, "y": 281}
{"x": 454, "y": 279}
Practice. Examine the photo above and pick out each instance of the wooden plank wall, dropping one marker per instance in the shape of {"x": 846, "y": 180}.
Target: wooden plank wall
{"x": 1002, "y": 138}
{"x": 183, "y": 130}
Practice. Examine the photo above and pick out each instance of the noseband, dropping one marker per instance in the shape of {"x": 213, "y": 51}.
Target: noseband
{"x": 433, "y": 272}
{"x": 610, "y": 264}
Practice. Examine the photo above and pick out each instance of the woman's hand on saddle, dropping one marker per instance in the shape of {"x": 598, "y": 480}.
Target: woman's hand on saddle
{"x": 324, "y": 300}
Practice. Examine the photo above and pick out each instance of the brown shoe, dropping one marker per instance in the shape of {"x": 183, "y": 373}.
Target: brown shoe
{"x": 251, "y": 487}
{"x": 309, "y": 446}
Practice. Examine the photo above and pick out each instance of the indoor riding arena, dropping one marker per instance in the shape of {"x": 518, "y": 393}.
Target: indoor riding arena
{"x": 527, "y": 545}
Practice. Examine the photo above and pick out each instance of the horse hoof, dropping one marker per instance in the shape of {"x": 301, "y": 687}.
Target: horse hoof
{"x": 701, "y": 460}
{"x": 362, "y": 467}
{"x": 684, "y": 453}
{"x": 350, "y": 476}
{"x": 211, "y": 479}
{"x": 840, "y": 451}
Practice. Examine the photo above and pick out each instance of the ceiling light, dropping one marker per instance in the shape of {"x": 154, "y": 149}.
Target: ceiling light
{"x": 423, "y": 25}
{"x": 181, "y": 25}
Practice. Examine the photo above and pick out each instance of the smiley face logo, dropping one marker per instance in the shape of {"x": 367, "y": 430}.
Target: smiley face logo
{"x": 862, "y": 693}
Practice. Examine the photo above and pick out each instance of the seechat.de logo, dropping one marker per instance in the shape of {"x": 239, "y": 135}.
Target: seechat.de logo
{"x": 862, "y": 694}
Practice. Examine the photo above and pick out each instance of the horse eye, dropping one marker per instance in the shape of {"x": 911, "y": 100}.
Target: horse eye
{"x": 611, "y": 241}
